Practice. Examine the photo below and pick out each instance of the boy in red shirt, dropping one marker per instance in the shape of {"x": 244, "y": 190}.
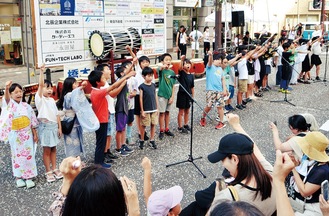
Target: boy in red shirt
{"x": 100, "y": 107}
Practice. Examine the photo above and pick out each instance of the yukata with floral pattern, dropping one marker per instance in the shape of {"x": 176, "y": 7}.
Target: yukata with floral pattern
{"x": 20, "y": 139}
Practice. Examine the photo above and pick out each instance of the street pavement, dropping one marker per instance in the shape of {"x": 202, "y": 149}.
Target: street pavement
{"x": 311, "y": 98}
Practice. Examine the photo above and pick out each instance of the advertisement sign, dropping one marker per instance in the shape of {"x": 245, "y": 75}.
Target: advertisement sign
{"x": 77, "y": 70}
{"x": 64, "y": 27}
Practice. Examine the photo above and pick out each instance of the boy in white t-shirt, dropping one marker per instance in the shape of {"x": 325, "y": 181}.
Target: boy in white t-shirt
{"x": 243, "y": 77}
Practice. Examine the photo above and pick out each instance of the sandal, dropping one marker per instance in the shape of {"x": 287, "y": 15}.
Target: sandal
{"x": 29, "y": 184}
{"x": 57, "y": 174}
{"x": 20, "y": 183}
{"x": 50, "y": 177}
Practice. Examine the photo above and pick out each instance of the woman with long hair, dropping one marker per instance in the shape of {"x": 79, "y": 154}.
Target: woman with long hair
{"x": 249, "y": 168}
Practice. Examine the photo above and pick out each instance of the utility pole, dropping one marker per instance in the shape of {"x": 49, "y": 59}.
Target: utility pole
{"x": 323, "y": 5}
{"x": 218, "y": 25}
{"x": 196, "y": 28}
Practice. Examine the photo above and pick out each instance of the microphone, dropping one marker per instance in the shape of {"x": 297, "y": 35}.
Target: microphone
{"x": 173, "y": 77}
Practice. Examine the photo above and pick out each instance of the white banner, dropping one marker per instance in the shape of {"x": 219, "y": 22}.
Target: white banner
{"x": 78, "y": 70}
{"x": 187, "y": 3}
{"x": 61, "y": 58}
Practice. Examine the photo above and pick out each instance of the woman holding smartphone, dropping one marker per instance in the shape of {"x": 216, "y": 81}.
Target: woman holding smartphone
{"x": 305, "y": 185}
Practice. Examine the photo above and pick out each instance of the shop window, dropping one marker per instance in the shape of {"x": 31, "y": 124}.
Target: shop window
{"x": 177, "y": 11}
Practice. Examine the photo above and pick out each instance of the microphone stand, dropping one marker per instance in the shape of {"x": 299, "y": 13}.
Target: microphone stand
{"x": 285, "y": 99}
{"x": 190, "y": 156}
{"x": 325, "y": 67}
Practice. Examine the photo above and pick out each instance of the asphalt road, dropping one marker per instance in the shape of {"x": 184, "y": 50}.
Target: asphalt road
{"x": 311, "y": 98}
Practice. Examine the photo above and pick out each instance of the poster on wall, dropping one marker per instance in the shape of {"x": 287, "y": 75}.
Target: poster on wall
{"x": 64, "y": 26}
{"x": 5, "y": 37}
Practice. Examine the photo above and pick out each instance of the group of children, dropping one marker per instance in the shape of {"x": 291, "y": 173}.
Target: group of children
{"x": 136, "y": 100}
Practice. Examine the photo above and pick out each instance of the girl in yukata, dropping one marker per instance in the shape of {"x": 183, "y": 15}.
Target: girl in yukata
{"x": 18, "y": 127}
{"x": 73, "y": 142}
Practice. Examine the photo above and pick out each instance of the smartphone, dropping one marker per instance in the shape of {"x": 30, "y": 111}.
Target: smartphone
{"x": 276, "y": 124}
{"x": 325, "y": 189}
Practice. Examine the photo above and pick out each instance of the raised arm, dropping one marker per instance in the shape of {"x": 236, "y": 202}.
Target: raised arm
{"x": 284, "y": 147}
{"x": 182, "y": 58}
{"x": 282, "y": 167}
{"x": 128, "y": 48}
{"x": 234, "y": 61}
{"x": 7, "y": 94}
{"x": 41, "y": 80}
{"x": 210, "y": 59}
{"x": 234, "y": 121}
{"x": 146, "y": 164}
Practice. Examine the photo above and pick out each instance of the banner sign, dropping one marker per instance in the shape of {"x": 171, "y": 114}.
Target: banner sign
{"x": 64, "y": 26}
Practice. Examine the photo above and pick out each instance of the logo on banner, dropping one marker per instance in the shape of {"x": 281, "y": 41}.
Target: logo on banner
{"x": 67, "y": 7}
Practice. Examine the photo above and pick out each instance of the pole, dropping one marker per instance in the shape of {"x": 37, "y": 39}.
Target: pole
{"x": 218, "y": 25}
{"x": 196, "y": 55}
{"x": 26, "y": 42}
{"x": 323, "y": 5}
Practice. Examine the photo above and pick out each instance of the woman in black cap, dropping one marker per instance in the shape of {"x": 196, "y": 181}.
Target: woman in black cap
{"x": 251, "y": 171}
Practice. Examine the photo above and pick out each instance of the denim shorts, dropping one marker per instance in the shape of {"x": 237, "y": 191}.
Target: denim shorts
{"x": 111, "y": 125}
{"x": 231, "y": 90}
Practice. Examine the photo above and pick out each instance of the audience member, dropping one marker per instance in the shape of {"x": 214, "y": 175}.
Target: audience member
{"x": 70, "y": 168}
{"x": 282, "y": 167}
{"x": 299, "y": 128}
{"x": 305, "y": 185}
{"x": 238, "y": 208}
{"x": 97, "y": 191}
{"x": 160, "y": 202}
{"x": 242, "y": 158}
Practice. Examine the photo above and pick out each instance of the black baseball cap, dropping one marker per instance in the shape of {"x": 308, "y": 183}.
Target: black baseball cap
{"x": 234, "y": 143}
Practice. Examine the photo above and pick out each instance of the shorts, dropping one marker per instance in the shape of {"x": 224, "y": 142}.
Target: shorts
{"x": 193, "y": 46}
{"x": 130, "y": 118}
{"x": 267, "y": 69}
{"x": 183, "y": 100}
{"x": 306, "y": 66}
{"x": 251, "y": 79}
{"x": 315, "y": 60}
{"x": 121, "y": 121}
{"x": 48, "y": 134}
{"x": 150, "y": 119}
{"x": 111, "y": 125}
{"x": 231, "y": 90}
{"x": 242, "y": 85}
{"x": 215, "y": 97}
{"x": 137, "y": 110}
{"x": 164, "y": 105}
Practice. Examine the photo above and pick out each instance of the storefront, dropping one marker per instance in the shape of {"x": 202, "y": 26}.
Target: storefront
{"x": 10, "y": 33}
